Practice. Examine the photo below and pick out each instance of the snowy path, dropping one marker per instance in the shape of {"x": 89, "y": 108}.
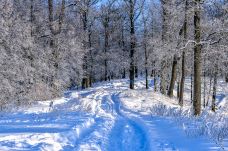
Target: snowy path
{"x": 111, "y": 126}
{"x": 127, "y": 133}
{"x": 131, "y": 131}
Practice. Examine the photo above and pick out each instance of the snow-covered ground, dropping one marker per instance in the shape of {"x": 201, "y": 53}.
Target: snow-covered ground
{"x": 110, "y": 117}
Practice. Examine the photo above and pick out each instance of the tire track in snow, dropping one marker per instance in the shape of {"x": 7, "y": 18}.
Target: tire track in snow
{"x": 97, "y": 138}
{"x": 127, "y": 134}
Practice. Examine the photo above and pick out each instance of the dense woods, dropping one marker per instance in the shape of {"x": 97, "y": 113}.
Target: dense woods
{"x": 49, "y": 46}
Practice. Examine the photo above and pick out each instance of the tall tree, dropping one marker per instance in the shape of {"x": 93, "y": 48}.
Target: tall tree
{"x": 106, "y": 16}
{"x": 183, "y": 55}
{"x": 132, "y": 42}
{"x": 173, "y": 77}
{"x": 145, "y": 37}
{"x": 55, "y": 30}
{"x": 134, "y": 10}
{"x": 165, "y": 16}
{"x": 213, "y": 107}
{"x": 197, "y": 58}
{"x": 84, "y": 7}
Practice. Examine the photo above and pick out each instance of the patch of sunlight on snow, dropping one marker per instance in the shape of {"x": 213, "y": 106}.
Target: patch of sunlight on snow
{"x": 44, "y": 106}
{"x": 44, "y": 142}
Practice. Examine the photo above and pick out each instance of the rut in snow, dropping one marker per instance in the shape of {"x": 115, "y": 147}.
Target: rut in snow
{"x": 127, "y": 134}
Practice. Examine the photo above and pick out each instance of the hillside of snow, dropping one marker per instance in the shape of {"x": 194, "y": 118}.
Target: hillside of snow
{"x": 110, "y": 117}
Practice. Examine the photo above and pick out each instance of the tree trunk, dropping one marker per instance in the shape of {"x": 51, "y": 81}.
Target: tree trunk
{"x": 145, "y": 50}
{"x": 165, "y": 36}
{"x": 173, "y": 77}
{"x": 54, "y": 33}
{"x": 146, "y": 72}
{"x": 191, "y": 87}
{"x": 85, "y": 79}
{"x": 197, "y": 59}
{"x": 30, "y": 55}
{"x": 136, "y": 72}
{"x": 213, "y": 106}
{"x": 106, "y": 26}
{"x": 155, "y": 83}
{"x": 178, "y": 89}
{"x": 52, "y": 43}
{"x": 123, "y": 50}
{"x": 155, "y": 76}
{"x": 181, "y": 101}
{"x": 91, "y": 56}
{"x": 124, "y": 74}
{"x": 209, "y": 93}
{"x": 90, "y": 80}
{"x": 204, "y": 89}
{"x": 51, "y": 17}
{"x": 106, "y": 69}
{"x": 32, "y": 17}
{"x": 85, "y": 82}
{"x": 162, "y": 78}
{"x": 132, "y": 46}
{"x": 181, "y": 98}
{"x": 226, "y": 77}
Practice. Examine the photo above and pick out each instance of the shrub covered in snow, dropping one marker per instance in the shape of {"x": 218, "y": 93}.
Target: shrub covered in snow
{"x": 213, "y": 125}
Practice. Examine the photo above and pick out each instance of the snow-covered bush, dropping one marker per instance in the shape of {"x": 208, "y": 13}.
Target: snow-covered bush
{"x": 27, "y": 68}
{"x": 213, "y": 125}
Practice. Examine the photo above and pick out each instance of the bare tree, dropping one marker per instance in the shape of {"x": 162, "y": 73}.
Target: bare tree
{"x": 55, "y": 30}
{"x": 185, "y": 28}
{"x": 134, "y": 10}
{"x": 197, "y": 58}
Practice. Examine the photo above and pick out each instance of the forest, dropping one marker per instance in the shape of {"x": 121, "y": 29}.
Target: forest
{"x": 49, "y": 46}
{"x": 114, "y": 75}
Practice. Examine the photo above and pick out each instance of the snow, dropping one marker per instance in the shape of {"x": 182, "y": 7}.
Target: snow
{"x": 110, "y": 117}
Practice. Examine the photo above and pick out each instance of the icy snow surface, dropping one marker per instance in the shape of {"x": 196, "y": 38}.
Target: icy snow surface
{"x": 107, "y": 117}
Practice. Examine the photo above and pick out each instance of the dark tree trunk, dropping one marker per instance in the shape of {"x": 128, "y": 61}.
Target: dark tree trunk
{"x": 106, "y": 69}
{"x": 204, "y": 89}
{"x": 181, "y": 98}
{"x": 197, "y": 59}
{"x": 155, "y": 84}
{"x": 32, "y": 17}
{"x": 155, "y": 76}
{"x": 162, "y": 78}
{"x": 106, "y": 26}
{"x": 146, "y": 72}
{"x": 145, "y": 51}
{"x": 173, "y": 77}
{"x": 123, "y": 49}
{"x": 191, "y": 87}
{"x": 124, "y": 73}
{"x": 52, "y": 44}
{"x": 136, "y": 72}
{"x": 213, "y": 106}
{"x": 85, "y": 83}
{"x": 132, "y": 46}
{"x": 178, "y": 89}
{"x": 112, "y": 75}
{"x": 91, "y": 56}
{"x": 85, "y": 79}
{"x": 90, "y": 80}
{"x": 226, "y": 77}
{"x": 30, "y": 55}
